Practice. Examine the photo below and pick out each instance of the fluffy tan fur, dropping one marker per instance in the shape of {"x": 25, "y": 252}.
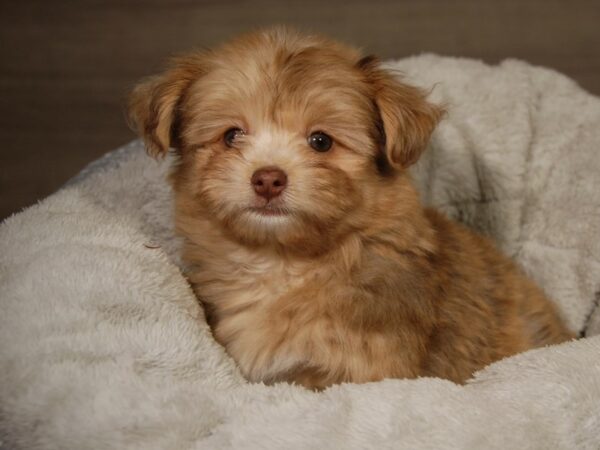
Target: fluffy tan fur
{"x": 351, "y": 279}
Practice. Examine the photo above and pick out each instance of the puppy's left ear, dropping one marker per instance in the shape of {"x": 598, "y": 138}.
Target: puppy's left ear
{"x": 154, "y": 104}
{"x": 407, "y": 118}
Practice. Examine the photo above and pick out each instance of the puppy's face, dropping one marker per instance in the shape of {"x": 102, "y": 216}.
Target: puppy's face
{"x": 282, "y": 139}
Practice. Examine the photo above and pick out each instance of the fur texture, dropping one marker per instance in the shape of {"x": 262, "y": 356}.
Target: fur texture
{"x": 103, "y": 343}
{"x": 344, "y": 276}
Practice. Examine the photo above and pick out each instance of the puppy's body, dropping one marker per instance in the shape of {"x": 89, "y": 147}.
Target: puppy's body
{"x": 316, "y": 263}
{"x": 442, "y": 302}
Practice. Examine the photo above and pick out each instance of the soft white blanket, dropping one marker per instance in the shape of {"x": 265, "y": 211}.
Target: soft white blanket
{"x": 103, "y": 345}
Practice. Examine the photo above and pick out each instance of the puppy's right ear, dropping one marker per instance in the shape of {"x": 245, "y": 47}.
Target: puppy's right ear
{"x": 153, "y": 107}
{"x": 406, "y": 118}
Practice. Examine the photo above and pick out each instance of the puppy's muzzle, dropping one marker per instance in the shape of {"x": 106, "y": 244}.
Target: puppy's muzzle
{"x": 269, "y": 182}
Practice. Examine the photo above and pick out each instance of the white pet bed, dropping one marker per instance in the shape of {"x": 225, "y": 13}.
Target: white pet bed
{"x": 103, "y": 345}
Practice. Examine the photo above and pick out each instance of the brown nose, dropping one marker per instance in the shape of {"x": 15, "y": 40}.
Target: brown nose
{"x": 269, "y": 182}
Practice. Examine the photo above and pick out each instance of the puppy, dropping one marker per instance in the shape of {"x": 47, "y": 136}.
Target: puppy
{"x": 304, "y": 236}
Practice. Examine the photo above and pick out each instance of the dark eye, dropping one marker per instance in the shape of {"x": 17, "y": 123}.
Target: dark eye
{"x": 320, "y": 141}
{"x": 231, "y": 135}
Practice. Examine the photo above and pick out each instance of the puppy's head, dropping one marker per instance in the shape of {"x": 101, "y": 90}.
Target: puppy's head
{"x": 282, "y": 139}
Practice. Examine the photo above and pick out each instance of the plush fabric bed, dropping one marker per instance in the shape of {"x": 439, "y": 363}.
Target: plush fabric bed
{"x": 103, "y": 345}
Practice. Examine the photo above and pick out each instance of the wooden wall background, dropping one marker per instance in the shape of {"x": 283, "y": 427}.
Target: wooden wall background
{"x": 65, "y": 66}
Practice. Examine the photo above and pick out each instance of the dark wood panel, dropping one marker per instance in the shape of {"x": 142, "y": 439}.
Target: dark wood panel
{"x": 66, "y": 66}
